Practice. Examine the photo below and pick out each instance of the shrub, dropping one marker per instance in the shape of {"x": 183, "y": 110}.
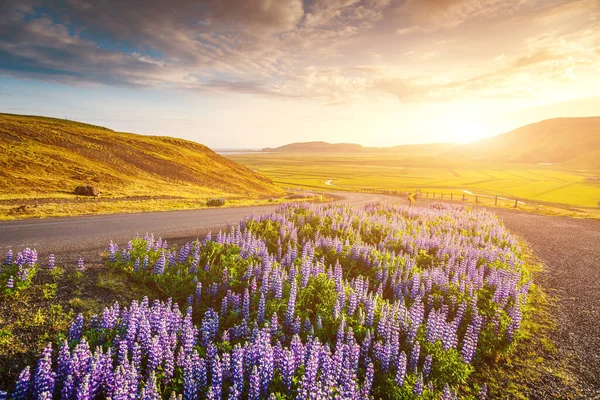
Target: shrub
{"x": 215, "y": 202}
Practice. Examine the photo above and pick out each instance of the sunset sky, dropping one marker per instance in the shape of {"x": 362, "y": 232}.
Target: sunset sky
{"x": 256, "y": 73}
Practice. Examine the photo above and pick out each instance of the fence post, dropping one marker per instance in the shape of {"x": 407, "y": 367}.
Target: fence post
{"x": 442, "y": 195}
{"x": 427, "y": 194}
{"x": 476, "y": 199}
{"x": 515, "y": 203}
{"x": 496, "y": 202}
{"x": 434, "y": 195}
{"x": 450, "y": 196}
{"x": 463, "y": 197}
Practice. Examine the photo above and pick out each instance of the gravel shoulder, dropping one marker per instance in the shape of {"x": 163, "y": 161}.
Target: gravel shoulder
{"x": 570, "y": 250}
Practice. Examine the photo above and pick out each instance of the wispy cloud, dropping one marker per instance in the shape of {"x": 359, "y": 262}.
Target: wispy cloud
{"x": 319, "y": 50}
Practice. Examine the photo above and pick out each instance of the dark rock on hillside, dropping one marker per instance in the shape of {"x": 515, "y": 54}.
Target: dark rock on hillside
{"x": 86, "y": 191}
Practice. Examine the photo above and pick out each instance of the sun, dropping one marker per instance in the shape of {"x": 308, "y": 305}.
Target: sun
{"x": 468, "y": 132}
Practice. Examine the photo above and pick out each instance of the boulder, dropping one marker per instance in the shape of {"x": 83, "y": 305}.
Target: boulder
{"x": 86, "y": 191}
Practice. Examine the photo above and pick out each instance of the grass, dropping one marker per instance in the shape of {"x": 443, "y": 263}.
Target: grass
{"x": 91, "y": 207}
{"x": 44, "y": 159}
{"x": 540, "y": 184}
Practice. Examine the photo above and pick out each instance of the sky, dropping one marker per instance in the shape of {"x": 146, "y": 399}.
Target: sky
{"x": 258, "y": 73}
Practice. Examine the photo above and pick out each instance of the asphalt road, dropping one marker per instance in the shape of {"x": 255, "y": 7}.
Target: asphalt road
{"x": 71, "y": 234}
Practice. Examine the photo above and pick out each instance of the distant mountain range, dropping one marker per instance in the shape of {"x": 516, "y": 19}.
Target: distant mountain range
{"x": 324, "y": 147}
{"x": 575, "y": 141}
{"x": 572, "y": 141}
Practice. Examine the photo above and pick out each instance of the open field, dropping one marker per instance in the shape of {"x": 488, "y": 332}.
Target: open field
{"x": 538, "y": 183}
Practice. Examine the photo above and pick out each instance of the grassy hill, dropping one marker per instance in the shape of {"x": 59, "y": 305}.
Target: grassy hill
{"x": 46, "y": 157}
{"x": 574, "y": 141}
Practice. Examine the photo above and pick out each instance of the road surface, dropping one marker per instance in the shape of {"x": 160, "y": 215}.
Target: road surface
{"x": 70, "y": 234}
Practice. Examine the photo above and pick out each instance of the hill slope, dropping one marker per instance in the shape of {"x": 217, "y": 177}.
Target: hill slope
{"x": 324, "y": 147}
{"x": 47, "y": 157}
{"x": 558, "y": 140}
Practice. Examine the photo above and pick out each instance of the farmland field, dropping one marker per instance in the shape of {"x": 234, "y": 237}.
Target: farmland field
{"x": 548, "y": 184}
{"x": 306, "y": 302}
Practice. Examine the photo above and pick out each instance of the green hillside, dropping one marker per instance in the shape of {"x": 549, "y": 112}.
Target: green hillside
{"x": 47, "y": 158}
{"x": 573, "y": 141}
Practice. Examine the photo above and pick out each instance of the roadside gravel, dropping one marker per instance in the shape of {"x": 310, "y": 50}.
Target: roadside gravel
{"x": 570, "y": 249}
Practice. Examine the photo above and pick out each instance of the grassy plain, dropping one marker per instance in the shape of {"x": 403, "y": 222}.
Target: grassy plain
{"x": 545, "y": 184}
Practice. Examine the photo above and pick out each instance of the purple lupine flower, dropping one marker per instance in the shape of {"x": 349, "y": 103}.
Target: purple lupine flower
{"x": 401, "y": 369}
{"x": 68, "y": 388}
{"x": 217, "y": 378}
{"x": 43, "y": 382}
{"x": 190, "y": 385}
{"x": 51, "y": 262}
{"x": 427, "y": 365}
{"x": 469, "y": 345}
{"x": 150, "y": 389}
{"x": 112, "y": 252}
{"x": 80, "y": 265}
{"x": 83, "y": 390}
{"x": 483, "y": 392}
{"x": 198, "y": 292}
{"x": 289, "y": 314}
{"x": 260, "y": 317}
{"x": 9, "y": 257}
{"x": 210, "y": 326}
{"x": 23, "y": 388}
{"x": 76, "y": 328}
{"x": 254, "y": 391}
{"x": 418, "y": 388}
{"x": 366, "y": 388}
{"x": 414, "y": 357}
{"x": 159, "y": 267}
{"x": 10, "y": 284}
{"x": 446, "y": 393}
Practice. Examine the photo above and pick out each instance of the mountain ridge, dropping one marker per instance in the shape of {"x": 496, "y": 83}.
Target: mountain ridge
{"x": 570, "y": 140}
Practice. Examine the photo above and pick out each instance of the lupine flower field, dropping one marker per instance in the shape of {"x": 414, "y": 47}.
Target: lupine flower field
{"x": 308, "y": 302}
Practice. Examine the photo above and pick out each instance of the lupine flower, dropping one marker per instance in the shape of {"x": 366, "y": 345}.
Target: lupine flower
{"x": 51, "y": 262}
{"x": 390, "y": 293}
{"x": 482, "y": 395}
{"x": 80, "y": 265}
{"x": 76, "y": 328}
{"x": 418, "y": 388}
{"x": 43, "y": 382}
{"x": 23, "y": 388}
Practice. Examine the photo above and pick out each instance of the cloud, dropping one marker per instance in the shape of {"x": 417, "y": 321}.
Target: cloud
{"x": 314, "y": 50}
{"x": 180, "y": 43}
